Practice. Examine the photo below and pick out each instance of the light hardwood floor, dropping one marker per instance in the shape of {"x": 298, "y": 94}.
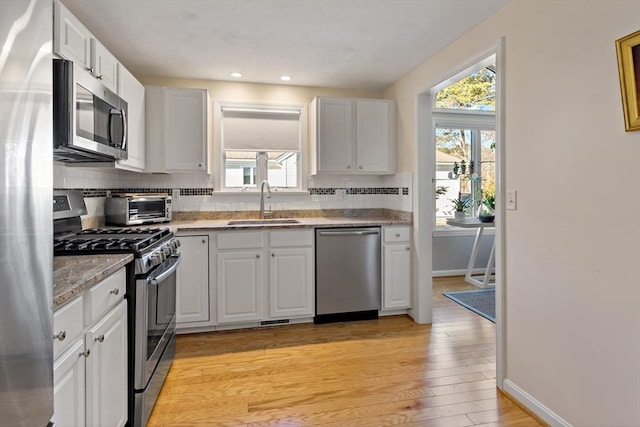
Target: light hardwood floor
{"x": 371, "y": 373}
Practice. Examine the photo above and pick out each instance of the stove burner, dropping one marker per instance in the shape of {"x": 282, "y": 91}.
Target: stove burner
{"x": 111, "y": 239}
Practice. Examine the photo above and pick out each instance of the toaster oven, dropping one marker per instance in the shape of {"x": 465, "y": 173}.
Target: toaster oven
{"x": 136, "y": 209}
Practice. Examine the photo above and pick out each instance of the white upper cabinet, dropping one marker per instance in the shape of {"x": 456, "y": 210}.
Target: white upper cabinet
{"x": 132, "y": 91}
{"x": 73, "y": 41}
{"x": 178, "y": 130}
{"x": 353, "y": 136}
{"x": 104, "y": 65}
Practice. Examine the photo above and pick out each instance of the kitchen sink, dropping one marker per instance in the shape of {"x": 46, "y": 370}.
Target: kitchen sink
{"x": 263, "y": 221}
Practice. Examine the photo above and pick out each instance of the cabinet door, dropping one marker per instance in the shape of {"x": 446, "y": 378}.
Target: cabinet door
{"x": 396, "y": 288}
{"x": 239, "y": 285}
{"x": 69, "y": 388}
{"x": 185, "y": 129}
{"x": 132, "y": 91}
{"x": 336, "y": 135}
{"x": 71, "y": 39}
{"x": 291, "y": 282}
{"x": 107, "y": 369}
{"x": 192, "y": 293}
{"x": 375, "y": 135}
{"x": 105, "y": 65}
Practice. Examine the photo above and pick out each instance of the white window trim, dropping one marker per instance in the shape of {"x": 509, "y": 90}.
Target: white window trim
{"x": 458, "y": 119}
{"x": 218, "y": 106}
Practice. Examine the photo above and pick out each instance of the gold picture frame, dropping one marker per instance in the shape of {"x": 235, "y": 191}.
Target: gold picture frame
{"x": 628, "y": 51}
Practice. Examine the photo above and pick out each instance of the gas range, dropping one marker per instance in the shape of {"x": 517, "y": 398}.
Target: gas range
{"x": 150, "y": 246}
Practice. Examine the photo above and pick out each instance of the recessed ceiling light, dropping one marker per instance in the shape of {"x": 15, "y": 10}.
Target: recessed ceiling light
{"x": 236, "y": 74}
{"x": 285, "y": 78}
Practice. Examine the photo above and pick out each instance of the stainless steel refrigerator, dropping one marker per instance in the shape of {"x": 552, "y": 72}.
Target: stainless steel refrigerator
{"x": 26, "y": 223}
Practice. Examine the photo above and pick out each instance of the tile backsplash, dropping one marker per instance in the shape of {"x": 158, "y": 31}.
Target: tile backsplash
{"x": 193, "y": 193}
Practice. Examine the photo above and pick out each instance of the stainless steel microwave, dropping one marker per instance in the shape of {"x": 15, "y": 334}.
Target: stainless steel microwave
{"x": 136, "y": 209}
{"x": 89, "y": 120}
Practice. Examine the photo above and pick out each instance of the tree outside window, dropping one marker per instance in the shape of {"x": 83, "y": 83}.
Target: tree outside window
{"x": 464, "y": 138}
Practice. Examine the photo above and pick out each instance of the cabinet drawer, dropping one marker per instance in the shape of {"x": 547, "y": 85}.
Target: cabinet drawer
{"x": 239, "y": 239}
{"x": 396, "y": 234}
{"x": 67, "y": 325}
{"x": 104, "y": 295}
{"x": 283, "y": 238}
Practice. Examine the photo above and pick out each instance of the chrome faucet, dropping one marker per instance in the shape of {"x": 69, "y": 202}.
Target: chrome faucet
{"x": 262, "y": 185}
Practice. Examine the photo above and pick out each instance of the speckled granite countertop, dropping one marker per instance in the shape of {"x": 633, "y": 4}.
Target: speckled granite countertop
{"x": 223, "y": 224}
{"x": 72, "y": 275}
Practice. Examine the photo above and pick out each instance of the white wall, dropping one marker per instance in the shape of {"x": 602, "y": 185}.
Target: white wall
{"x": 572, "y": 275}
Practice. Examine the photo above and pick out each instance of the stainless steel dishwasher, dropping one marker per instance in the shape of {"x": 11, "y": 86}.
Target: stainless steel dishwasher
{"x": 348, "y": 274}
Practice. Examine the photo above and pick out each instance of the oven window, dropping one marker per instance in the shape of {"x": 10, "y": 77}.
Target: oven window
{"x": 148, "y": 208}
{"x": 162, "y": 303}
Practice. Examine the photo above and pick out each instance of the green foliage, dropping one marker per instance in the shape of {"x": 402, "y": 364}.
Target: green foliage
{"x": 489, "y": 199}
{"x": 460, "y": 205}
{"x": 441, "y": 190}
{"x": 476, "y": 92}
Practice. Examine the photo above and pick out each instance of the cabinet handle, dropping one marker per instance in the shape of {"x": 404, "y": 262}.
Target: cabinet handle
{"x": 199, "y": 165}
{"x": 204, "y": 241}
{"x": 407, "y": 248}
{"x": 115, "y": 291}
{"x": 86, "y": 353}
{"x": 273, "y": 255}
{"x": 258, "y": 256}
{"x": 397, "y": 234}
{"x": 100, "y": 338}
{"x": 360, "y": 167}
{"x": 348, "y": 166}
{"x": 60, "y": 336}
{"x": 90, "y": 69}
{"x": 99, "y": 77}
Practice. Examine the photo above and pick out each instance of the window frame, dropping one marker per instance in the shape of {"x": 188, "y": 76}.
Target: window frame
{"x": 475, "y": 121}
{"x": 261, "y": 172}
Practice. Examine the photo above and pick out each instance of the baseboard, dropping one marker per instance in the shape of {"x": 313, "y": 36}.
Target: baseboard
{"x": 460, "y": 272}
{"x": 530, "y": 404}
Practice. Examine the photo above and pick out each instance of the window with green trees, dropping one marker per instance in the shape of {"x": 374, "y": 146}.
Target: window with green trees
{"x": 464, "y": 123}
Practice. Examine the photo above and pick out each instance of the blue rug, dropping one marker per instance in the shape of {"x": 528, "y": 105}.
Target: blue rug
{"x": 482, "y": 302}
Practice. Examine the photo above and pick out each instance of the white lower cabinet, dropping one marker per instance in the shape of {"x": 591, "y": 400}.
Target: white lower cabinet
{"x": 239, "y": 278}
{"x": 291, "y": 276}
{"x": 106, "y": 366}
{"x": 251, "y": 289}
{"x": 192, "y": 288}
{"x": 396, "y": 278}
{"x": 90, "y": 366}
{"x": 69, "y": 388}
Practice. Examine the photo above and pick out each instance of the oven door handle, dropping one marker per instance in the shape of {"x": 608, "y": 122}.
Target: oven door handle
{"x": 176, "y": 261}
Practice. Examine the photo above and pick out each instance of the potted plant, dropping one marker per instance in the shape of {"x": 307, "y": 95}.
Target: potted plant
{"x": 487, "y": 208}
{"x": 460, "y": 207}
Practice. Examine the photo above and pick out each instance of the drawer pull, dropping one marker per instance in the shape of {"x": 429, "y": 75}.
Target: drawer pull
{"x": 258, "y": 256}
{"x": 397, "y": 234}
{"x": 407, "y": 248}
{"x": 86, "y": 353}
{"x": 100, "y": 338}
{"x": 60, "y": 336}
{"x": 115, "y": 291}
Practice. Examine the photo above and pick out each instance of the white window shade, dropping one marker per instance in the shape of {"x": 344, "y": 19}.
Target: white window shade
{"x": 260, "y": 130}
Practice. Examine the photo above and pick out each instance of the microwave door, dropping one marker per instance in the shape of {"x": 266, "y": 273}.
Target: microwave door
{"x": 117, "y": 126}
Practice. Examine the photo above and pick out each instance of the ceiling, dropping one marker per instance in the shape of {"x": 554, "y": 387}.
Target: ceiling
{"x": 356, "y": 44}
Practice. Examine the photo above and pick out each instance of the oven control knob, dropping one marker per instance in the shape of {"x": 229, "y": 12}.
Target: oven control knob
{"x": 156, "y": 259}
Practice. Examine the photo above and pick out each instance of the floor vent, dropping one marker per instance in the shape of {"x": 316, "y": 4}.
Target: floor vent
{"x": 274, "y": 322}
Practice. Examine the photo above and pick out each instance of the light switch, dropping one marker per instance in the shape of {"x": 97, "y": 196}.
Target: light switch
{"x": 512, "y": 198}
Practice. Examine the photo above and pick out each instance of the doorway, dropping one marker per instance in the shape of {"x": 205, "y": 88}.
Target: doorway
{"x": 425, "y": 201}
